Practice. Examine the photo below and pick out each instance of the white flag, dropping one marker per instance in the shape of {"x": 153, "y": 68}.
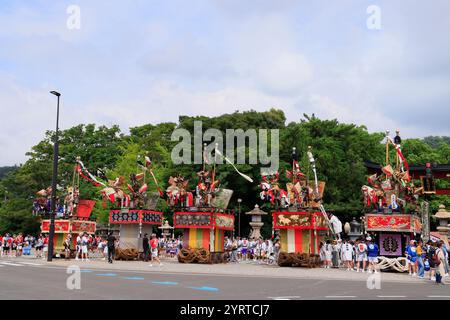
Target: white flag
{"x": 227, "y": 160}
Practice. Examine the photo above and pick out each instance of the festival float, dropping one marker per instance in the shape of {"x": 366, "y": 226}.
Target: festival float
{"x": 135, "y": 213}
{"x": 392, "y": 208}
{"x": 299, "y": 218}
{"x": 202, "y": 214}
{"x": 72, "y": 215}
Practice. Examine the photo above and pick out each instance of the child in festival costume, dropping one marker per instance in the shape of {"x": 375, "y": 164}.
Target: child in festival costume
{"x": 244, "y": 250}
{"x": 173, "y": 248}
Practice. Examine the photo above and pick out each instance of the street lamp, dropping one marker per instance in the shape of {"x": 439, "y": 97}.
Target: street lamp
{"x": 54, "y": 177}
{"x": 239, "y": 217}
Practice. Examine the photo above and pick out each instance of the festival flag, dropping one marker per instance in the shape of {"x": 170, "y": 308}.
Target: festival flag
{"x": 402, "y": 158}
{"x": 81, "y": 169}
{"x": 240, "y": 173}
{"x": 148, "y": 162}
{"x": 205, "y": 156}
{"x": 143, "y": 188}
{"x": 156, "y": 183}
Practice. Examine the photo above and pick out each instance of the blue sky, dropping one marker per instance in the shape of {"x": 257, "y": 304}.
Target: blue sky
{"x": 137, "y": 62}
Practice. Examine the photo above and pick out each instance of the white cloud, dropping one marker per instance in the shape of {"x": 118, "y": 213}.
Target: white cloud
{"x": 26, "y": 115}
{"x": 286, "y": 74}
{"x": 133, "y": 65}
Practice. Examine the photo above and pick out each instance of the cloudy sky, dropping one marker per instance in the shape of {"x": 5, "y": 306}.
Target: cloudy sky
{"x": 142, "y": 61}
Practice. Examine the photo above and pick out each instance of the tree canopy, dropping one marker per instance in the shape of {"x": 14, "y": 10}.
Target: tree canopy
{"x": 340, "y": 150}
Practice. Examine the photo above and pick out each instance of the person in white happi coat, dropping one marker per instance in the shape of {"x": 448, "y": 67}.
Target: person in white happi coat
{"x": 347, "y": 255}
{"x": 336, "y": 253}
{"x": 328, "y": 254}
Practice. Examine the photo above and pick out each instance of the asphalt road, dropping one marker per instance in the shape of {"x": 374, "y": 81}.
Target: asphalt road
{"x": 19, "y": 280}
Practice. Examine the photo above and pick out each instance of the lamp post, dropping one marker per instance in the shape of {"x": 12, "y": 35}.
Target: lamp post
{"x": 239, "y": 216}
{"x": 54, "y": 177}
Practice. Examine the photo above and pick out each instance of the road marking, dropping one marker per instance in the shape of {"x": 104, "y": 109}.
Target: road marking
{"x": 133, "y": 278}
{"x": 165, "y": 282}
{"x": 106, "y": 274}
{"x": 11, "y": 264}
{"x": 219, "y": 275}
{"x": 391, "y": 296}
{"x": 285, "y": 298}
{"x": 204, "y": 288}
{"x": 32, "y": 263}
{"x": 331, "y": 297}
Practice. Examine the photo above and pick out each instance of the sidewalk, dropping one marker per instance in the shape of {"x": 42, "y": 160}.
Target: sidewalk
{"x": 244, "y": 269}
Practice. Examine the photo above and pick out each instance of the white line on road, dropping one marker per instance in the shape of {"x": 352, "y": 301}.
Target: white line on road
{"x": 331, "y": 297}
{"x": 32, "y": 263}
{"x": 11, "y": 264}
{"x": 285, "y": 298}
{"x": 391, "y": 296}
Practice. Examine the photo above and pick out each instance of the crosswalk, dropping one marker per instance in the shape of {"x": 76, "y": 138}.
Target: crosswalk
{"x": 12, "y": 263}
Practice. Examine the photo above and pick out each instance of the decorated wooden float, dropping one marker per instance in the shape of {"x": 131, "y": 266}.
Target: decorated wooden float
{"x": 393, "y": 214}
{"x": 72, "y": 213}
{"x": 203, "y": 234}
{"x": 202, "y": 215}
{"x": 77, "y": 224}
{"x": 133, "y": 223}
{"x": 133, "y": 208}
{"x": 136, "y": 213}
{"x": 300, "y": 220}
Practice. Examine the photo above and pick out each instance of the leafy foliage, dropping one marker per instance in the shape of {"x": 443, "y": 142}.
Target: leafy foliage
{"x": 339, "y": 149}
